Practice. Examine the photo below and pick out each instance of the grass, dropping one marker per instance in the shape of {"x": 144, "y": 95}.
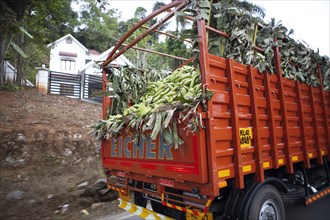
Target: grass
{"x": 12, "y": 88}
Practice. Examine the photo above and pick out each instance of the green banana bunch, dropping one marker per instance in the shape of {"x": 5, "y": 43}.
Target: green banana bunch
{"x": 181, "y": 90}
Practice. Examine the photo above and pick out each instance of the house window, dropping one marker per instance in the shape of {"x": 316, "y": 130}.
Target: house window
{"x": 69, "y": 40}
{"x": 68, "y": 65}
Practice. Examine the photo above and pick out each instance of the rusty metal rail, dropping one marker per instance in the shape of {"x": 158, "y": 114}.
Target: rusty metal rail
{"x": 156, "y": 52}
{"x": 168, "y": 34}
{"x": 177, "y": 5}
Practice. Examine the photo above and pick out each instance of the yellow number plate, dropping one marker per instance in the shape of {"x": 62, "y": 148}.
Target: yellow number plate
{"x": 245, "y": 135}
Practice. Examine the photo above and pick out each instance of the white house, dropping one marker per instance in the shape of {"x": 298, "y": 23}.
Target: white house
{"x": 68, "y": 55}
{"x": 75, "y": 70}
{"x": 94, "y": 67}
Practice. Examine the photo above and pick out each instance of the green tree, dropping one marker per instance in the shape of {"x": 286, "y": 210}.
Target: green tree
{"x": 45, "y": 20}
{"x": 140, "y": 58}
{"x": 178, "y": 48}
{"x": 98, "y": 25}
{"x": 12, "y": 13}
{"x": 140, "y": 13}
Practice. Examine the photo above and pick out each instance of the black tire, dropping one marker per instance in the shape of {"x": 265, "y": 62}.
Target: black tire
{"x": 157, "y": 207}
{"x": 294, "y": 198}
{"x": 139, "y": 200}
{"x": 267, "y": 203}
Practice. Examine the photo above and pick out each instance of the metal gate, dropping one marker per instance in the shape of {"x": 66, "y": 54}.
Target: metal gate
{"x": 65, "y": 84}
{"x": 92, "y": 84}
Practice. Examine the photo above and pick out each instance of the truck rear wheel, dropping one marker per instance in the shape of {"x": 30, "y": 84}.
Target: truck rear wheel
{"x": 267, "y": 204}
{"x": 139, "y": 200}
{"x": 157, "y": 207}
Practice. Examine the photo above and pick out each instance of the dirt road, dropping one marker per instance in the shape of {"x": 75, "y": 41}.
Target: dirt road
{"x": 45, "y": 153}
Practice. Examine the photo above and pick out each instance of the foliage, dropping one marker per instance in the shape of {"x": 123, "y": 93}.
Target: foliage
{"x": 98, "y": 25}
{"x": 155, "y": 108}
{"x": 178, "y": 48}
{"x": 128, "y": 85}
{"x": 169, "y": 46}
{"x": 45, "y": 21}
{"x": 244, "y": 23}
{"x": 8, "y": 21}
{"x": 11, "y": 88}
{"x": 140, "y": 13}
{"x": 325, "y": 68}
{"x": 49, "y": 21}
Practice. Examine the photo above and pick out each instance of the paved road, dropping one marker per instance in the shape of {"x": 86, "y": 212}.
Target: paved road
{"x": 319, "y": 210}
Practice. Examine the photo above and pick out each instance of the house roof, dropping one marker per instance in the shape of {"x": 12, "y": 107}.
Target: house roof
{"x": 121, "y": 60}
{"x": 65, "y": 37}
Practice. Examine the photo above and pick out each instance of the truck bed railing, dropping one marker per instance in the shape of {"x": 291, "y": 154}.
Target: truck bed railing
{"x": 176, "y": 5}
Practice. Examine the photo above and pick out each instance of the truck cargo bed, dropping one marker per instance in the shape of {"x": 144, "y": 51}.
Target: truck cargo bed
{"x": 253, "y": 123}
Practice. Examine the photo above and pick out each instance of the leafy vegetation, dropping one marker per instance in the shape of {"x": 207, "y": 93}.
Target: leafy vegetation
{"x": 153, "y": 108}
{"x": 247, "y": 30}
{"x": 28, "y": 26}
{"x": 11, "y": 88}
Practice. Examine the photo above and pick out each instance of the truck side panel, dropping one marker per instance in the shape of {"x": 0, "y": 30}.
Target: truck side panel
{"x": 259, "y": 121}
{"x": 253, "y": 103}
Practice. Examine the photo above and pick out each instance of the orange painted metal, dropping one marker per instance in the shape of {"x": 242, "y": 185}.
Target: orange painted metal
{"x": 155, "y": 158}
{"x": 325, "y": 103}
{"x": 270, "y": 96}
{"x": 210, "y": 129}
{"x": 316, "y": 132}
{"x": 302, "y": 126}
{"x": 233, "y": 86}
{"x": 283, "y": 109}
{"x": 256, "y": 105}
{"x": 217, "y": 31}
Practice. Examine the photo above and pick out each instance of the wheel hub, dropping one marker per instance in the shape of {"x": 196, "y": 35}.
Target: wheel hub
{"x": 268, "y": 211}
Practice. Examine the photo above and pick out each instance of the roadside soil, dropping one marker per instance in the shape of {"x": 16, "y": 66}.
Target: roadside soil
{"x": 45, "y": 153}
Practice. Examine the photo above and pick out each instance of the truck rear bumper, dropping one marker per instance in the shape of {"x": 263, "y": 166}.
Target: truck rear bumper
{"x": 168, "y": 199}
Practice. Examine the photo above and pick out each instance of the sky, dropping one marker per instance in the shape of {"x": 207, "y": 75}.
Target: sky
{"x": 310, "y": 19}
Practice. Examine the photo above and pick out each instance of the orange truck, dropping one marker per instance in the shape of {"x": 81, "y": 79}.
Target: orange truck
{"x": 264, "y": 144}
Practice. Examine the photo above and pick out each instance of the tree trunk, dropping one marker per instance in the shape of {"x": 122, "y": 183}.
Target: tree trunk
{"x": 20, "y": 60}
{"x": 2, "y": 58}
